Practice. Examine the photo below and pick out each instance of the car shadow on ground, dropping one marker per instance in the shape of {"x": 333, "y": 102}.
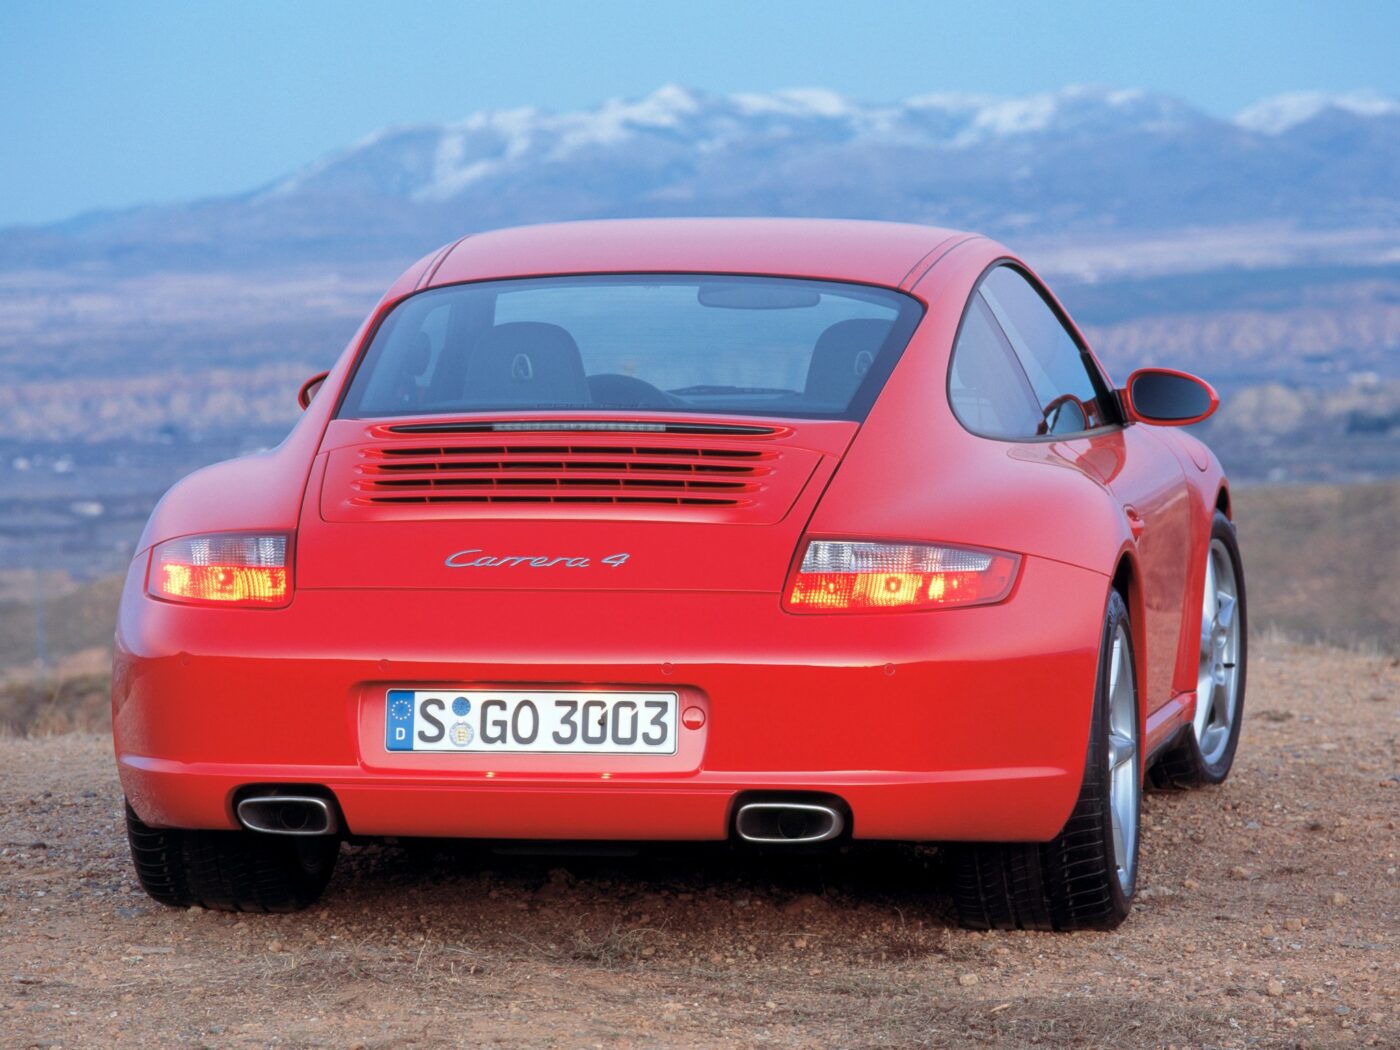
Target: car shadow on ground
{"x": 694, "y": 886}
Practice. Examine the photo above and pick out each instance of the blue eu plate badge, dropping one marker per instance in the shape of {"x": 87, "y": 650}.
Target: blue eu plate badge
{"x": 398, "y": 725}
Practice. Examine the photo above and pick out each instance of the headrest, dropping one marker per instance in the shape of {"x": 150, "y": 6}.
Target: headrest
{"x": 842, "y": 356}
{"x": 417, "y": 356}
{"x": 526, "y": 363}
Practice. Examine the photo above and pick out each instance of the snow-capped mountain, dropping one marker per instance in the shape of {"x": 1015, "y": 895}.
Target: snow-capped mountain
{"x": 1080, "y": 161}
{"x": 441, "y": 162}
{"x": 1274, "y": 116}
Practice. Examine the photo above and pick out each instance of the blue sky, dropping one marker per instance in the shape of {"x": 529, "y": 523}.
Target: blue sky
{"x": 113, "y": 104}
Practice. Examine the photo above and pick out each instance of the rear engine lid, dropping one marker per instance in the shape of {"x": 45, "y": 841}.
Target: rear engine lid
{"x": 563, "y": 503}
{"x": 738, "y": 473}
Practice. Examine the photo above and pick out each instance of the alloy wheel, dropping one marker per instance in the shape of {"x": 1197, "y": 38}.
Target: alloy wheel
{"x": 1217, "y": 686}
{"x": 1124, "y": 782}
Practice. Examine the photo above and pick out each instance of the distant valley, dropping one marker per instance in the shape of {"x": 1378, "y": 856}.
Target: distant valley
{"x": 1262, "y": 252}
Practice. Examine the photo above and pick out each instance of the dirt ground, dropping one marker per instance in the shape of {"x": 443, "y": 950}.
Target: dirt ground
{"x": 1269, "y": 915}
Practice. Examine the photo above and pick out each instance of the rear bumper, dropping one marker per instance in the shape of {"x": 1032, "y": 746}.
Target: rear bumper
{"x": 964, "y": 724}
{"x": 996, "y": 804}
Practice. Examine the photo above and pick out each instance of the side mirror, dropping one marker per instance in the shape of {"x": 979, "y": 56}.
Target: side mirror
{"x": 309, "y": 388}
{"x": 1167, "y": 398}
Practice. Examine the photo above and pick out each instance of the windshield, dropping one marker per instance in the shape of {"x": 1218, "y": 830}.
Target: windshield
{"x": 654, "y": 343}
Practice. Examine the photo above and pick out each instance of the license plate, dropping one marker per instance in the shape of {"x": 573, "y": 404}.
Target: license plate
{"x": 476, "y": 722}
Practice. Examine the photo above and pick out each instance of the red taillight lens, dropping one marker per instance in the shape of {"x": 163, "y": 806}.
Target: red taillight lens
{"x": 229, "y": 569}
{"x": 837, "y": 576}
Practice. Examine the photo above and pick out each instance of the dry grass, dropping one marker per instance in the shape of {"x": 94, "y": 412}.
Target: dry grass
{"x": 1322, "y": 562}
{"x": 63, "y": 705}
{"x": 78, "y": 616}
{"x": 612, "y": 946}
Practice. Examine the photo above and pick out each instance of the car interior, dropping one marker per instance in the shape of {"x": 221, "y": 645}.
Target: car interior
{"x": 534, "y": 364}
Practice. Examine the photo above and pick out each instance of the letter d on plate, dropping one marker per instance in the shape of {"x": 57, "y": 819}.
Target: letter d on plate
{"x": 398, "y": 721}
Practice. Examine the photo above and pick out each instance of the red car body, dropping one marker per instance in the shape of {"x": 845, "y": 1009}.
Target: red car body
{"x": 958, "y": 724}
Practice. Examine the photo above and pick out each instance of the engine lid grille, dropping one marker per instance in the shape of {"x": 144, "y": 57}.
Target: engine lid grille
{"x": 748, "y": 477}
{"x": 599, "y": 474}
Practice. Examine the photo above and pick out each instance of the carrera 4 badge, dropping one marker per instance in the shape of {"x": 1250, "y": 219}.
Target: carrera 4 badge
{"x": 475, "y": 558}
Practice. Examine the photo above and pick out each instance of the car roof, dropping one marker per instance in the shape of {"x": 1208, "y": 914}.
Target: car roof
{"x": 884, "y": 253}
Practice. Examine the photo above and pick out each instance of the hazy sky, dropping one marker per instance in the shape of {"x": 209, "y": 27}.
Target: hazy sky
{"x": 112, "y": 104}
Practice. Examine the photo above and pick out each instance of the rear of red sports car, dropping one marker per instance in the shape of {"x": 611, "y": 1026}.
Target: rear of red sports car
{"x": 641, "y": 538}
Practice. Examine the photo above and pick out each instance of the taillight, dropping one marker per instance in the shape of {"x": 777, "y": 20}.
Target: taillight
{"x": 222, "y": 569}
{"x": 838, "y": 576}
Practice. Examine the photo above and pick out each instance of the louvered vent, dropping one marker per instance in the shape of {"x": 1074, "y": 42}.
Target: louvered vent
{"x": 621, "y": 474}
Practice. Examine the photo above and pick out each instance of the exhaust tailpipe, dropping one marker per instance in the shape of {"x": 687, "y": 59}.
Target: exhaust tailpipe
{"x": 788, "y": 823}
{"x": 288, "y": 815}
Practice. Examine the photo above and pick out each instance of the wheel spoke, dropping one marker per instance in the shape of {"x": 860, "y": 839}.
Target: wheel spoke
{"x": 1208, "y": 610}
{"x": 1220, "y": 701}
{"x": 1211, "y": 738}
{"x": 1115, "y": 662}
{"x": 1120, "y": 841}
{"x": 1205, "y": 699}
{"x": 1120, "y": 749}
{"x": 1225, "y": 610}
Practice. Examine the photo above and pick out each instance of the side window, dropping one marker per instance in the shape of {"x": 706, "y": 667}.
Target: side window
{"x": 1071, "y": 396}
{"x": 988, "y": 390}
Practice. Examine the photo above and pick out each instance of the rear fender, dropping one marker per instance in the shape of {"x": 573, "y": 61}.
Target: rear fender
{"x": 913, "y": 472}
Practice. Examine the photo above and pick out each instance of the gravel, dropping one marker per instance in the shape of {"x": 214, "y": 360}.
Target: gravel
{"x": 424, "y": 947}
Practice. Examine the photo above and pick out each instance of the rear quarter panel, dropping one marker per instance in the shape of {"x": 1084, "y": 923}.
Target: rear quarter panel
{"x": 914, "y": 472}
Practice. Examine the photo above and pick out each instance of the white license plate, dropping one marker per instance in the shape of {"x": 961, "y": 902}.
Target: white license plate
{"x": 479, "y": 722}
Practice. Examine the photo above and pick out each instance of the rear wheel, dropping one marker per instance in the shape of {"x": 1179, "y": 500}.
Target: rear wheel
{"x": 230, "y": 870}
{"x": 1085, "y": 877}
{"x": 1206, "y": 750}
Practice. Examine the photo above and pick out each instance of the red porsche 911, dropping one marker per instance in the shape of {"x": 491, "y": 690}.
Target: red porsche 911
{"x": 769, "y": 531}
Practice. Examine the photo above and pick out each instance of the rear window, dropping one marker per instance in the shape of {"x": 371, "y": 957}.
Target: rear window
{"x": 654, "y": 343}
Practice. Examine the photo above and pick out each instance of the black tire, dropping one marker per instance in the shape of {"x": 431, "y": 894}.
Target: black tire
{"x": 1071, "y": 882}
{"x": 230, "y": 870}
{"x": 1182, "y": 765}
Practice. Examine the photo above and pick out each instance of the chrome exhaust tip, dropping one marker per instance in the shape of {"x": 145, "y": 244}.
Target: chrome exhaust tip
{"x": 288, "y": 815}
{"x": 788, "y": 823}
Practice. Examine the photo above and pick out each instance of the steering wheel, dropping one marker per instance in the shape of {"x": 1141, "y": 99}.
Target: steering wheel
{"x": 1056, "y": 407}
{"x": 612, "y": 389}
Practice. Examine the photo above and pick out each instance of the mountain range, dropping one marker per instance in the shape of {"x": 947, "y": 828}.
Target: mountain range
{"x": 1080, "y": 163}
{"x": 1260, "y": 251}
